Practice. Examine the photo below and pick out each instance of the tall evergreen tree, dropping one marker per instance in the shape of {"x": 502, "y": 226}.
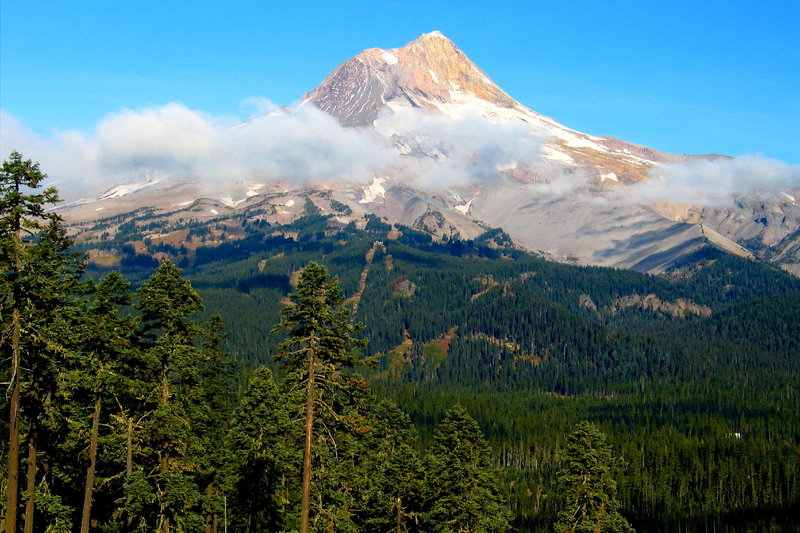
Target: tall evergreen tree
{"x": 261, "y": 461}
{"x": 588, "y": 486}
{"x": 392, "y": 472}
{"x": 52, "y": 280}
{"x": 167, "y": 302}
{"x": 214, "y": 422}
{"x": 320, "y": 343}
{"x": 104, "y": 370}
{"x": 462, "y": 479}
{"x": 39, "y": 275}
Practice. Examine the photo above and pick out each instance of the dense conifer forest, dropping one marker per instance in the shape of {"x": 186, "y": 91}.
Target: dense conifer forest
{"x": 234, "y": 388}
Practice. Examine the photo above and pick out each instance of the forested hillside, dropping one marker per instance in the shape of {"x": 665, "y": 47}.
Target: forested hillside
{"x": 186, "y": 420}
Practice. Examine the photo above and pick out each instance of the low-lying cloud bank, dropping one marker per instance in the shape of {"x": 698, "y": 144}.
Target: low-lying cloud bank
{"x": 715, "y": 183}
{"x": 458, "y": 151}
{"x": 298, "y": 145}
{"x": 302, "y": 144}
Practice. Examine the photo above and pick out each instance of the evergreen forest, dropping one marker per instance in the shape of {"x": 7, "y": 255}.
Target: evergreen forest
{"x": 321, "y": 377}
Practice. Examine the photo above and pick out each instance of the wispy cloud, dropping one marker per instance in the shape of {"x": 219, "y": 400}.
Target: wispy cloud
{"x": 459, "y": 151}
{"x": 299, "y": 145}
{"x": 705, "y": 182}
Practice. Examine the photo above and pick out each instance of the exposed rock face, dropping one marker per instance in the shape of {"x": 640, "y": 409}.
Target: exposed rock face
{"x": 421, "y": 74}
{"x": 586, "y": 301}
{"x": 679, "y": 308}
{"x": 402, "y": 288}
{"x": 650, "y": 302}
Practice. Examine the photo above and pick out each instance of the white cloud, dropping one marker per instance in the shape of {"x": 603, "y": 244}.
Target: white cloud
{"x": 302, "y": 144}
{"x": 460, "y": 150}
{"x": 707, "y": 182}
{"x": 299, "y": 145}
{"x": 171, "y": 138}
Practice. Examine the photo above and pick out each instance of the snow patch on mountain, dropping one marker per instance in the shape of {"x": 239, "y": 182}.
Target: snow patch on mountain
{"x": 253, "y": 189}
{"x": 373, "y": 191}
{"x": 230, "y": 202}
{"x": 126, "y": 189}
{"x": 464, "y": 208}
{"x": 554, "y": 154}
{"x": 511, "y": 165}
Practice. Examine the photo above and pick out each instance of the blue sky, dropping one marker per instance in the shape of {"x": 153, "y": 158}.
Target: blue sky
{"x": 685, "y": 77}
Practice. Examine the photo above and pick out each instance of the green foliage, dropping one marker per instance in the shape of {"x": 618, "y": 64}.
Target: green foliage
{"x": 317, "y": 323}
{"x": 588, "y": 485}
{"x": 40, "y": 275}
{"x": 462, "y": 480}
{"x": 262, "y": 465}
{"x": 320, "y": 343}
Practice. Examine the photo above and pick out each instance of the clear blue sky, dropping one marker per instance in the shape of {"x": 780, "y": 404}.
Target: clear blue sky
{"x": 680, "y": 76}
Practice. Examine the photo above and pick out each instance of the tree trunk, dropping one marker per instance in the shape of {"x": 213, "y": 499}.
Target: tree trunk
{"x": 30, "y": 505}
{"x": 211, "y": 517}
{"x": 165, "y": 452}
{"x": 89, "y": 488}
{"x": 305, "y": 502}
{"x": 399, "y": 521}
{"x": 129, "y": 466}
{"x": 12, "y": 501}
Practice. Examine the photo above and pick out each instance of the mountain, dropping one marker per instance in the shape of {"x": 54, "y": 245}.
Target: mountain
{"x": 460, "y": 156}
{"x": 433, "y": 75}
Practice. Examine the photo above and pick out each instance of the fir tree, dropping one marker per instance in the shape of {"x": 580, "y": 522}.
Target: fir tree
{"x": 588, "y": 486}
{"x": 103, "y": 372}
{"x": 214, "y": 421}
{"x": 462, "y": 480}
{"x": 167, "y": 302}
{"x": 39, "y": 275}
{"x": 261, "y": 462}
{"x": 393, "y": 472}
{"x": 320, "y": 343}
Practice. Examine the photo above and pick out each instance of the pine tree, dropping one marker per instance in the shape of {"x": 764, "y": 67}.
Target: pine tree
{"x": 261, "y": 462}
{"x": 214, "y": 421}
{"x": 104, "y": 371}
{"x": 462, "y": 479}
{"x": 588, "y": 486}
{"x": 320, "y": 343}
{"x": 40, "y": 275}
{"x": 167, "y": 303}
{"x": 391, "y": 471}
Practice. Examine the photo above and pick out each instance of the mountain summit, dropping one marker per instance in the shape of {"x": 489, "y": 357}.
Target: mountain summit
{"x": 425, "y": 73}
{"x": 431, "y": 74}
